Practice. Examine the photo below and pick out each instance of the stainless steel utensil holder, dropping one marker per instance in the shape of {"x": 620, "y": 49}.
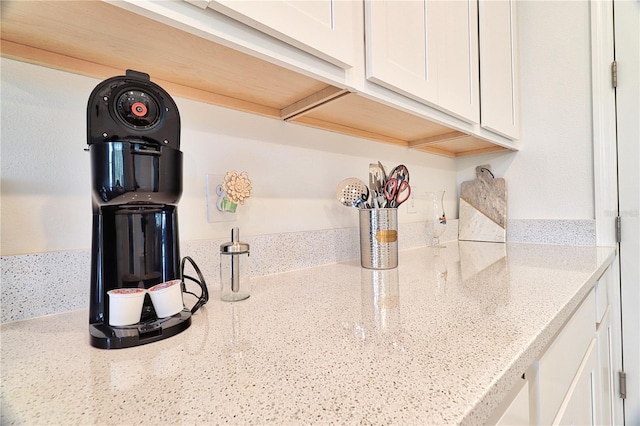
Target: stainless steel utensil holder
{"x": 379, "y": 238}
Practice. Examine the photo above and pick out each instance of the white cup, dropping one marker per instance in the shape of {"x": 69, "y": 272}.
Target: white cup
{"x": 167, "y": 298}
{"x": 125, "y": 305}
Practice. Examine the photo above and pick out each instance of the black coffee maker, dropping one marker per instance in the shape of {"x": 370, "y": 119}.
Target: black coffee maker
{"x": 136, "y": 166}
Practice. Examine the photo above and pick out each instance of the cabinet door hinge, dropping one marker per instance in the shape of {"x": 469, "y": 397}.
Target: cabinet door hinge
{"x": 618, "y": 229}
{"x": 623, "y": 385}
{"x": 614, "y": 74}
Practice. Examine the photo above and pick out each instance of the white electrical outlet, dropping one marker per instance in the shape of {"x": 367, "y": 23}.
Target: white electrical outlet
{"x": 213, "y": 182}
{"x": 411, "y": 204}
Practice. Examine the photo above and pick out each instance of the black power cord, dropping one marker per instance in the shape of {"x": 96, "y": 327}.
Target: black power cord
{"x": 204, "y": 297}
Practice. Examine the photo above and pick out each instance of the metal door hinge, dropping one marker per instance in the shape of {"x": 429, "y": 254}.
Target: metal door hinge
{"x": 623, "y": 385}
{"x": 618, "y": 229}
{"x": 614, "y": 74}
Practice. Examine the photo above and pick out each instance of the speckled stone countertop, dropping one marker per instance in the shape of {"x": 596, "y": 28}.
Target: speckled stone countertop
{"x": 439, "y": 340}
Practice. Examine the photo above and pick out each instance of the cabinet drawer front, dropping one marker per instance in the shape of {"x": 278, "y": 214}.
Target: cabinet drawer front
{"x": 559, "y": 364}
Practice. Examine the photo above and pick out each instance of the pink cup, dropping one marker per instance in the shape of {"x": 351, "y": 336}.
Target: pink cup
{"x": 125, "y": 305}
{"x": 167, "y": 298}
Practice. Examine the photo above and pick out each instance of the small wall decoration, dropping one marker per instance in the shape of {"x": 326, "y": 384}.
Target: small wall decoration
{"x": 235, "y": 189}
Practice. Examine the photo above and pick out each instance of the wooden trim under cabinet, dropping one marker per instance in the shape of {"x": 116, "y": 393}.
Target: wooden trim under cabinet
{"x": 94, "y": 38}
{"x": 49, "y": 59}
{"x": 362, "y": 117}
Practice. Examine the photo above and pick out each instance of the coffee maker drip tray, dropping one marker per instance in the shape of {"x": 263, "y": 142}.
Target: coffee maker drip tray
{"x": 105, "y": 336}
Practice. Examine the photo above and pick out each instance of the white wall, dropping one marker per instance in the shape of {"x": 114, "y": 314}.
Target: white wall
{"x": 45, "y": 193}
{"x": 551, "y": 177}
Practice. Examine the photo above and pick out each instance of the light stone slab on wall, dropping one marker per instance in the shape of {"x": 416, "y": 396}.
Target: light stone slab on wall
{"x": 476, "y": 226}
{"x": 41, "y": 284}
{"x": 34, "y": 285}
{"x": 552, "y": 231}
{"x": 38, "y": 284}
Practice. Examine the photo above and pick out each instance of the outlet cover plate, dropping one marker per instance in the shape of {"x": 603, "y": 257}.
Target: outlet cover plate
{"x": 214, "y": 191}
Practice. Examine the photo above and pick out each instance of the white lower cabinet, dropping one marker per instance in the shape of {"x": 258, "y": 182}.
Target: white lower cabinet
{"x": 607, "y": 341}
{"x": 605, "y": 382}
{"x": 573, "y": 381}
{"x": 517, "y": 409}
{"x": 579, "y": 405}
{"x": 559, "y": 365}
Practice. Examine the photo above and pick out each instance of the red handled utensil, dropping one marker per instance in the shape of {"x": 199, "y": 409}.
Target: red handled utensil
{"x": 396, "y": 192}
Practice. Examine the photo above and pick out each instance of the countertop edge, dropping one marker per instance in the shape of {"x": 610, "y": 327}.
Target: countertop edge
{"x": 482, "y": 410}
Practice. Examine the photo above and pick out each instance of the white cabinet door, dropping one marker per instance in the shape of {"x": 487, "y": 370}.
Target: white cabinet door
{"x": 324, "y": 28}
{"x": 578, "y": 408}
{"x": 499, "y": 110}
{"x": 604, "y": 391}
{"x": 517, "y": 413}
{"x": 399, "y": 55}
{"x": 456, "y": 35}
{"x": 609, "y": 350}
{"x": 425, "y": 50}
{"x": 561, "y": 362}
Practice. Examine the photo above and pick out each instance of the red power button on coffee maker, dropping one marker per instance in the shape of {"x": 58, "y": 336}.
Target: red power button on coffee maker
{"x": 139, "y": 109}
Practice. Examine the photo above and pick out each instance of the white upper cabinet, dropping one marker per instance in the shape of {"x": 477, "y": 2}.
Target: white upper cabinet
{"x": 411, "y": 79}
{"x": 456, "y": 33}
{"x": 398, "y": 51}
{"x": 498, "y": 68}
{"x": 323, "y": 28}
{"x": 426, "y": 50}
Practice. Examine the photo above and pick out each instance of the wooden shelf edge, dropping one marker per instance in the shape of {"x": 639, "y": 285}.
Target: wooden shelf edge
{"x": 435, "y": 149}
{"x": 307, "y": 104}
{"x": 338, "y": 128}
{"x": 438, "y": 148}
{"x": 438, "y": 145}
{"x": 481, "y": 151}
{"x": 35, "y": 56}
{"x": 438, "y": 139}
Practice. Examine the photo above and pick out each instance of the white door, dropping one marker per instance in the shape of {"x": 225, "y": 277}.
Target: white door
{"x": 627, "y": 52}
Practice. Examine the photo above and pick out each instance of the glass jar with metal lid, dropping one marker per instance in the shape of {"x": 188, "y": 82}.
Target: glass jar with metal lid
{"x": 234, "y": 269}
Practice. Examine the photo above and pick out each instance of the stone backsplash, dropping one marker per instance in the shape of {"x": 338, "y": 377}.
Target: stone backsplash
{"x": 38, "y": 284}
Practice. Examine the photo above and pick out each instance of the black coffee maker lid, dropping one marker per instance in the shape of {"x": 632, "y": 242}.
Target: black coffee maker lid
{"x": 132, "y": 108}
